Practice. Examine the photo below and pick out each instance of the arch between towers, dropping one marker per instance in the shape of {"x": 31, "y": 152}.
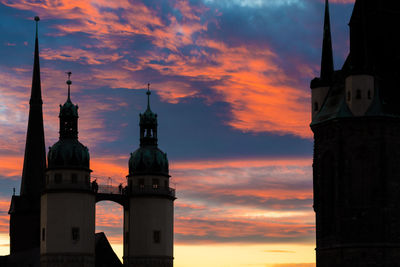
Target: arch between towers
{"x": 120, "y": 199}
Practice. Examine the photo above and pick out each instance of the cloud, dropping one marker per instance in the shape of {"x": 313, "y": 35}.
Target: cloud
{"x": 248, "y": 77}
{"x": 4, "y": 217}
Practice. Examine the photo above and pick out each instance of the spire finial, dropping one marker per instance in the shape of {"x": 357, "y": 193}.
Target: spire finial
{"x": 69, "y": 84}
{"x": 327, "y": 67}
{"x": 148, "y": 93}
{"x": 37, "y": 22}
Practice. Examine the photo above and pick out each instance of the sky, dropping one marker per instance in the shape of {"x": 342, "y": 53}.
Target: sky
{"x": 230, "y": 84}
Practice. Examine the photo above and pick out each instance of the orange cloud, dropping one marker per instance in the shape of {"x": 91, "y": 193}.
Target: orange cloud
{"x": 246, "y": 77}
{"x": 249, "y": 80}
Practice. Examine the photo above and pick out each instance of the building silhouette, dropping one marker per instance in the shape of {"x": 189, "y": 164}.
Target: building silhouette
{"x": 356, "y": 125}
{"x": 52, "y": 221}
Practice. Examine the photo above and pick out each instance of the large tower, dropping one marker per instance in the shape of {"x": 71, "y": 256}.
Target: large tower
{"x": 25, "y": 208}
{"x": 68, "y": 202}
{"x": 356, "y": 125}
{"x": 148, "y": 221}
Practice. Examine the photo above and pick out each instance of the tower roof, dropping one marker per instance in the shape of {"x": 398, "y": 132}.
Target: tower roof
{"x": 148, "y": 124}
{"x": 68, "y": 152}
{"x": 32, "y": 181}
{"x": 148, "y": 159}
{"x": 327, "y": 67}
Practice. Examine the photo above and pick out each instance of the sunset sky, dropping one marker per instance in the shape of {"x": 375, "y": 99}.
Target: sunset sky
{"x": 230, "y": 82}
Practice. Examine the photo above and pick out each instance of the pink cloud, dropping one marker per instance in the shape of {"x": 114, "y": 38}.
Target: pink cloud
{"x": 246, "y": 77}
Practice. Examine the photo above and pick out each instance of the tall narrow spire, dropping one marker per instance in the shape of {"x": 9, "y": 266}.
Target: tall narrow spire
{"x": 35, "y": 154}
{"x": 327, "y": 67}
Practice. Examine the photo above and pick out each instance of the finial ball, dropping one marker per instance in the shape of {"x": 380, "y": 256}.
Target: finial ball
{"x": 69, "y": 82}
{"x": 37, "y": 18}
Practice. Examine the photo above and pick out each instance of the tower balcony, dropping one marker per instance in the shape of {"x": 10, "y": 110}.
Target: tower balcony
{"x": 144, "y": 190}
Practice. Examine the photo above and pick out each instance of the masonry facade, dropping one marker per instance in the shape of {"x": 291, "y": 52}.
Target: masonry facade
{"x": 356, "y": 123}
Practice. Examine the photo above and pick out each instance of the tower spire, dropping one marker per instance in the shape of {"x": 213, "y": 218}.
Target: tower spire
{"x": 69, "y": 85}
{"x": 327, "y": 67}
{"x": 148, "y": 124}
{"x": 35, "y": 154}
{"x": 69, "y": 115}
{"x": 148, "y": 93}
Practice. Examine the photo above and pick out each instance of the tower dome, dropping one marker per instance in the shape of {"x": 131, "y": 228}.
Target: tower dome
{"x": 68, "y": 152}
{"x": 148, "y": 159}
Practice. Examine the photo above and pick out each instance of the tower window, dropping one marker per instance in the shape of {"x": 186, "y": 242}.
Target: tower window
{"x": 43, "y": 234}
{"x": 358, "y": 94}
{"x": 74, "y": 178}
{"x": 369, "y": 94}
{"x": 157, "y": 236}
{"x": 87, "y": 180}
{"x": 75, "y": 233}
{"x": 316, "y": 106}
{"x": 348, "y": 96}
{"x": 141, "y": 183}
{"x": 156, "y": 183}
{"x": 58, "y": 178}
{"x": 166, "y": 185}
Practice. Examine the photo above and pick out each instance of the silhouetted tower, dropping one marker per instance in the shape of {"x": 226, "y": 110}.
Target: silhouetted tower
{"x": 356, "y": 127}
{"x": 148, "y": 221}
{"x": 68, "y": 202}
{"x": 320, "y": 86}
{"x": 25, "y": 208}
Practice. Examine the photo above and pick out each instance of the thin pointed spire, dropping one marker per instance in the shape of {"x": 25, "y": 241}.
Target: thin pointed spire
{"x": 69, "y": 85}
{"x": 32, "y": 181}
{"x": 148, "y": 93}
{"x": 36, "y": 94}
{"x": 327, "y": 67}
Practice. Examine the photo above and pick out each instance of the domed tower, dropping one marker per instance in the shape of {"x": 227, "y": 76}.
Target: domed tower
{"x": 148, "y": 221}
{"x": 68, "y": 203}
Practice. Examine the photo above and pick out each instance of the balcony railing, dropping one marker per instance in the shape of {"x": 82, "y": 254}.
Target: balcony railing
{"x": 152, "y": 190}
{"x": 109, "y": 189}
{"x": 136, "y": 190}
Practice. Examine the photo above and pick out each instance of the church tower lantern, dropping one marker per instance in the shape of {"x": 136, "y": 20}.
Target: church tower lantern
{"x": 148, "y": 221}
{"x": 68, "y": 202}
